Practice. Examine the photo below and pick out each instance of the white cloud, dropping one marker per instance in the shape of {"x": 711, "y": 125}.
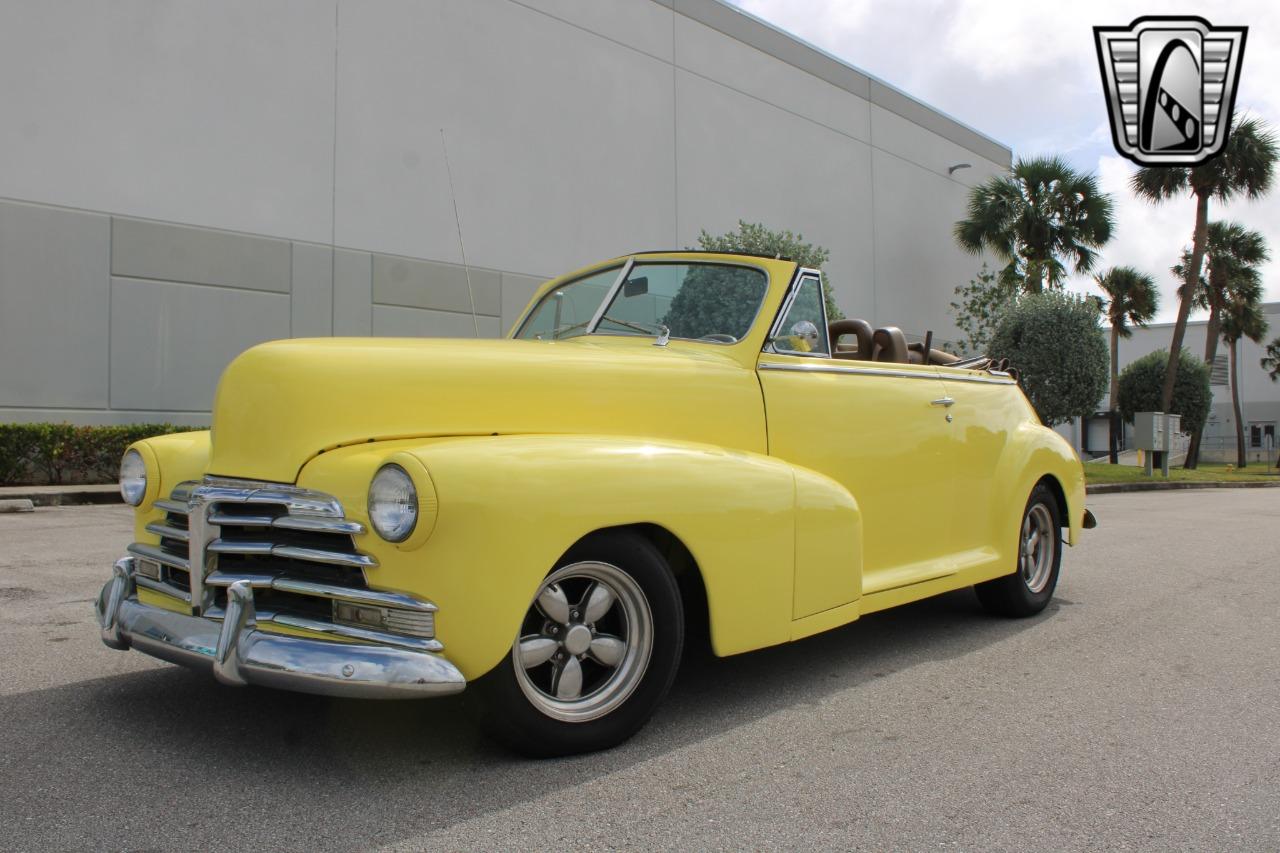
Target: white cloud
{"x": 1151, "y": 237}
{"x": 1026, "y": 73}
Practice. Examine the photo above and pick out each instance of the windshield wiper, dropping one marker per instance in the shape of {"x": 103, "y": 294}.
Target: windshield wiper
{"x": 647, "y": 328}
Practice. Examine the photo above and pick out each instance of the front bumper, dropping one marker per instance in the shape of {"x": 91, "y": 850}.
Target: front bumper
{"x": 240, "y": 654}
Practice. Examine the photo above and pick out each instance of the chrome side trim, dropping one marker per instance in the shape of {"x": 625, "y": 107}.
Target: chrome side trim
{"x": 151, "y": 552}
{"x": 839, "y": 368}
{"x": 979, "y": 379}
{"x": 170, "y": 505}
{"x": 871, "y": 371}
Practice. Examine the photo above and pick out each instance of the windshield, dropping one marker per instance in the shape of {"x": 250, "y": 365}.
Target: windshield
{"x": 709, "y": 302}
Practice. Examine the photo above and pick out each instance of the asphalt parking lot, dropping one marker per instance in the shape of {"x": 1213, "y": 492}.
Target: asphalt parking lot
{"x": 1141, "y": 711}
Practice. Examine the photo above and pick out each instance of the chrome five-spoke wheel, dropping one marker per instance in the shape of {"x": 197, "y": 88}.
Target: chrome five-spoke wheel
{"x": 585, "y": 642}
{"x": 1039, "y": 541}
{"x": 593, "y": 655}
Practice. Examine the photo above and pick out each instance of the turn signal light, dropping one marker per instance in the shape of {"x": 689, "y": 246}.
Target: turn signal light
{"x": 411, "y": 623}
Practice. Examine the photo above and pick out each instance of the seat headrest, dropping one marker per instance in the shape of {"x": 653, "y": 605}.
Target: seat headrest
{"x": 891, "y": 345}
{"x": 860, "y": 329}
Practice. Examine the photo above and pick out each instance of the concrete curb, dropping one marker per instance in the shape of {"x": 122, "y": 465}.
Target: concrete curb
{"x": 62, "y": 495}
{"x": 1159, "y": 486}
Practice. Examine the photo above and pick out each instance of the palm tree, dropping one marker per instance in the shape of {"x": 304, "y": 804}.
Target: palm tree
{"x": 1038, "y": 219}
{"x": 1244, "y": 167}
{"x": 1241, "y": 318}
{"x": 1233, "y": 254}
{"x": 1131, "y": 298}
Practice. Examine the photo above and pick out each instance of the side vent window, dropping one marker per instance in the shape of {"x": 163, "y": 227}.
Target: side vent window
{"x": 804, "y": 328}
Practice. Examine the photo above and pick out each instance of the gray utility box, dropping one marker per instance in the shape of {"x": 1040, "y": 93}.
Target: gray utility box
{"x": 1153, "y": 432}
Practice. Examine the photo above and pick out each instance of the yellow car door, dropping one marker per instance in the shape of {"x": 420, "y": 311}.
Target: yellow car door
{"x": 879, "y": 429}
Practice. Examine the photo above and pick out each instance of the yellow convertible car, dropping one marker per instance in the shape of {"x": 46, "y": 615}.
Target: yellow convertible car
{"x": 667, "y": 445}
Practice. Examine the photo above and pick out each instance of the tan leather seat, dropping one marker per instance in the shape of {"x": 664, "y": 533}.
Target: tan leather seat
{"x": 861, "y": 330}
{"x": 891, "y": 345}
{"x": 936, "y": 356}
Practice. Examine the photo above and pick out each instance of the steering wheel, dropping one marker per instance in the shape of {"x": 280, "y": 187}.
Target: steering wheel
{"x": 719, "y": 338}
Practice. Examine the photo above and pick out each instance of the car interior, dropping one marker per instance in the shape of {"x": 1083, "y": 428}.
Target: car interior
{"x": 856, "y": 340}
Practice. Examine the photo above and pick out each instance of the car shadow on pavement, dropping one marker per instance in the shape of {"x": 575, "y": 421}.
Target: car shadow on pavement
{"x": 169, "y": 757}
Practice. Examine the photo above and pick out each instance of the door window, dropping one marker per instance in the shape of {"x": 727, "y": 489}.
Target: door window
{"x": 803, "y": 330}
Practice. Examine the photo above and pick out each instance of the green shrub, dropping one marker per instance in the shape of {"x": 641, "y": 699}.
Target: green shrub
{"x": 1142, "y": 385}
{"x": 1057, "y": 344}
{"x": 756, "y": 239}
{"x": 53, "y": 454}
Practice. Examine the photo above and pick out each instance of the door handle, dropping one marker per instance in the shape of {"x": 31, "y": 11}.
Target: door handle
{"x": 945, "y": 401}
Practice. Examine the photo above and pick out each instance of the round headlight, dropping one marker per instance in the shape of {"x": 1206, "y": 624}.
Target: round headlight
{"x": 133, "y": 477}
{"x": 393, "y": 503}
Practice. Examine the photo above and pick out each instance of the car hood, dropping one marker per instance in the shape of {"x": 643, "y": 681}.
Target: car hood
{"x": 282, "y": 403}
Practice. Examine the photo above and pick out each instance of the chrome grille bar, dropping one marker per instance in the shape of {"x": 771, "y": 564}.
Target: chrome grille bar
{"x": 228, "y": 531}
{"x": 331, "y": 558}
{"x": 151, "y": 552}
{"x": 165, "y": 531}
{"x": 356, "y": 596}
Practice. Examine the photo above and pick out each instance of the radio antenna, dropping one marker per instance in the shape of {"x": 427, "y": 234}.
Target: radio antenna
{"x": 458, "y": 221}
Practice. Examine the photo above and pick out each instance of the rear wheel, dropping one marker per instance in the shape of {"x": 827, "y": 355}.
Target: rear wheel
{"x": 1028, "y": 590}
{"x": 596, "y": 652}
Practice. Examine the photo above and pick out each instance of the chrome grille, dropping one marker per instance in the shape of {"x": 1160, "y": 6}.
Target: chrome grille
{"x": 293, "y": 546}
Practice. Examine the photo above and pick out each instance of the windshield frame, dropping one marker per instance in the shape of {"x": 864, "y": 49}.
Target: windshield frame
{"x": 776, "y": 289}
{"x": 640, "y": 260}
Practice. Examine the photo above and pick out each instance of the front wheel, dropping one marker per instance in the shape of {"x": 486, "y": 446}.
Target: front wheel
{"x": 1027, "y": 591}
{"x": 596, "y": 652}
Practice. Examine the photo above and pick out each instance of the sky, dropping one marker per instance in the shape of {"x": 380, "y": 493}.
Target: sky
{"x": 1026, "y": 74}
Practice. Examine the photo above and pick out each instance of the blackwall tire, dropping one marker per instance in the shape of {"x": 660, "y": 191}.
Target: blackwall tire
{"x": 1029, "y": 589}
{"x": 596, "y": 654}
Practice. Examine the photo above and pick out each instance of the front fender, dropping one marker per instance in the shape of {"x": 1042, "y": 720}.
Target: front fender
{"x": 508, "y": 507}
{"x": 1034, "y": 452}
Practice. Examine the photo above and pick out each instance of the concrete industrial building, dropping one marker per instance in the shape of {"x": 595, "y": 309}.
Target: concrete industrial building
{"x": 175, "y": 174}
{"x": 1259, "y": 395}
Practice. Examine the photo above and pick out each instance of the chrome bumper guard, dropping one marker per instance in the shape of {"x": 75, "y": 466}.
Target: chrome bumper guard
{"x": 239, "y": 654}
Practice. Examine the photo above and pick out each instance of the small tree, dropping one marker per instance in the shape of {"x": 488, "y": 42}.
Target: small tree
{"x": 754, "y": 238}
{"x": 1142, "y": 384}
{"x": 982, "y": 303}
{"x": 1056, "y": 342}
{"x": 1271, "y": 361}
